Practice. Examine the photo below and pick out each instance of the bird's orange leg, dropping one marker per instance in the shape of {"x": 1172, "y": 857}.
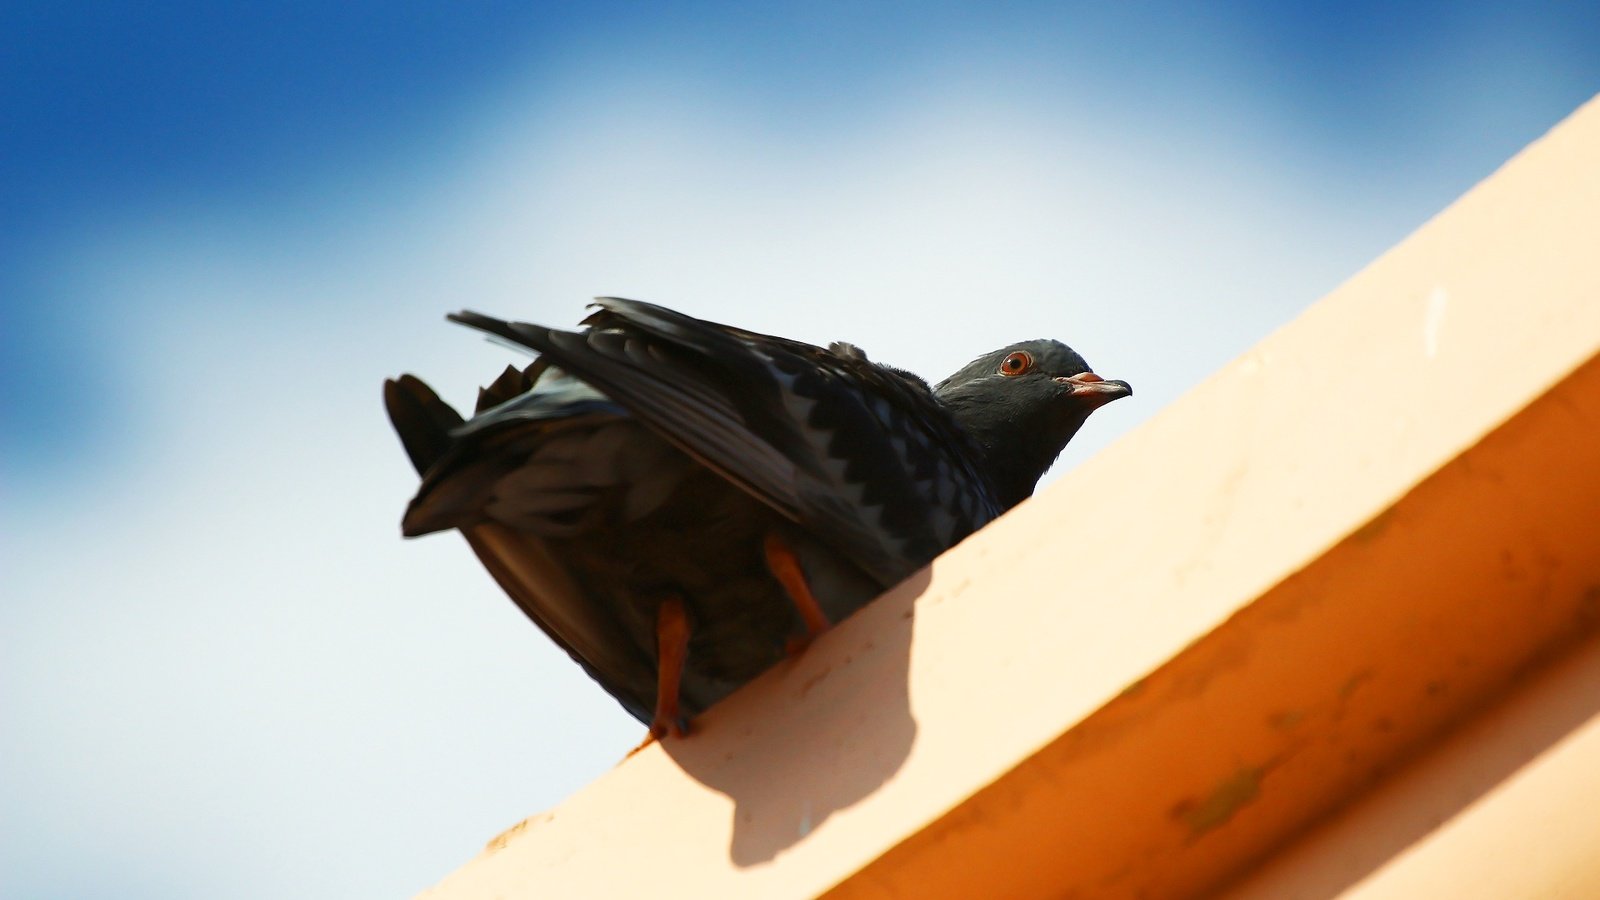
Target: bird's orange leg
{"x": 672, "y": 649}
{"x": 785, "y": 567}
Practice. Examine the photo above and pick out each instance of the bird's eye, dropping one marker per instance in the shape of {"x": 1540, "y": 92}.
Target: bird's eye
{"x": 1017, "y": 363}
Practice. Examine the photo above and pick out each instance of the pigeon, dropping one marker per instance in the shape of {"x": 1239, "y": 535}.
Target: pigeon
{"x": 680, "y": 504}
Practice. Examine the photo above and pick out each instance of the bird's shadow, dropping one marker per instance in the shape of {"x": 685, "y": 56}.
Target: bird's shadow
{"x": 815, "y": 734}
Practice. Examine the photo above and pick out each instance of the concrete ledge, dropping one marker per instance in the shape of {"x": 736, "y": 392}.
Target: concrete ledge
{"x": 1197, "y": 643}
{"x": 1504, "y": 808}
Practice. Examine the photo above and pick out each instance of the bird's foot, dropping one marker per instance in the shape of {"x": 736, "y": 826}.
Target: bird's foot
{"x": 785, "y": 567}
{"x": 678, "y": 727}
{"x": 672, "y": 649}
{"x": 649, "y": 738}
{"x": 664, "y": 724}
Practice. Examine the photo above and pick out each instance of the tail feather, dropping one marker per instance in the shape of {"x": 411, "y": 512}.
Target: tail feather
{"x": 422, "y": 420}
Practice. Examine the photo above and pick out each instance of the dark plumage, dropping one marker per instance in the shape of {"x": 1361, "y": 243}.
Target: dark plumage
{"x": 641, "y": 466}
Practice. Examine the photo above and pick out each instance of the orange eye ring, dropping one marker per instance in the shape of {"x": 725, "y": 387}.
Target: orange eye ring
{"x": 1018, "y": 362}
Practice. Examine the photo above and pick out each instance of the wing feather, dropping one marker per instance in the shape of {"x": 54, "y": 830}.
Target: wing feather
{"x": 845, "y": 447}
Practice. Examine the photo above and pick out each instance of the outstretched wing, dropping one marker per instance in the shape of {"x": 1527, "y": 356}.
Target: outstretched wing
{"x": 862, "y": 455}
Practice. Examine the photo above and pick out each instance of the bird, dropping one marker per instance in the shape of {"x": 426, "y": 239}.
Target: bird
{"x": 681, "y": 504}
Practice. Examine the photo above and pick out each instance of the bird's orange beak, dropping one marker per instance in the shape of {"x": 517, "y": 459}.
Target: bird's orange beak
{"x": 1091, "y": 389}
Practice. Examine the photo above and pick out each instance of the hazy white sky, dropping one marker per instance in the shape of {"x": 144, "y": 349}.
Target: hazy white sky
{"x": 224, "y": 673}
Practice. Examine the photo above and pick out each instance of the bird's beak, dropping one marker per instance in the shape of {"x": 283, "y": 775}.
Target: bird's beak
{"x": 1093, "y": 391}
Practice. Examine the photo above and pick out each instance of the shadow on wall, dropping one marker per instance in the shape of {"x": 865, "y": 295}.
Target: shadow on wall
{"x": 847, "y": 729}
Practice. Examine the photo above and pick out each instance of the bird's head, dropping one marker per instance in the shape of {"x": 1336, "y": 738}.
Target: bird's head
{"x": 1022, "y": 404}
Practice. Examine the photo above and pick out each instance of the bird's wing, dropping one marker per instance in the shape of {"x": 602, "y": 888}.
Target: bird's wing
{"x": 591, "y": 633}
{"x": 860, "y": 454}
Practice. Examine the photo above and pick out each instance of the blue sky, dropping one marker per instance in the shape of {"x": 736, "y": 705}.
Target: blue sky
{"x": 224, "y": 674}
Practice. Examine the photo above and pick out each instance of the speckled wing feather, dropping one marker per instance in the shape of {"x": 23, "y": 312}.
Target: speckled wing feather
{"x": 863, "y": 455}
